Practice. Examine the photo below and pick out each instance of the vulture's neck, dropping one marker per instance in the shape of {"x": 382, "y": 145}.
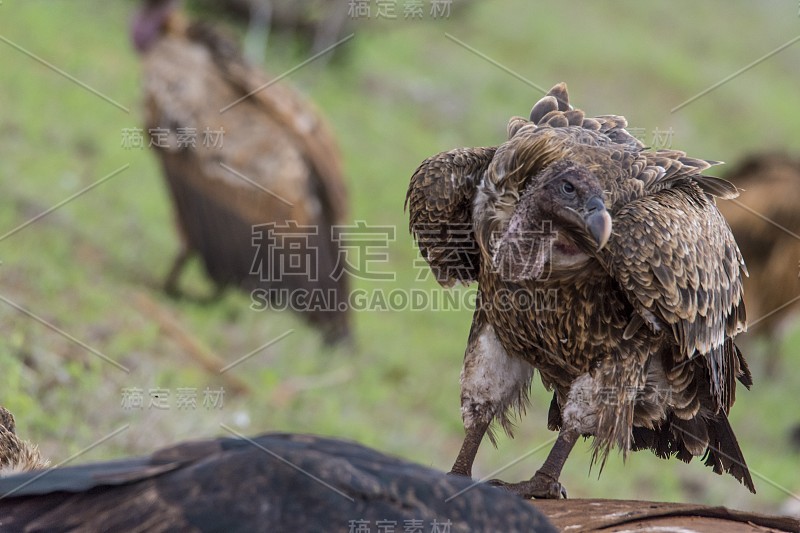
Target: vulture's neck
{"x": 524, "y": 247}
{"x": 565, "y": 253}
{"x": 176, "y": 24}
{"x": 533, "y": 246}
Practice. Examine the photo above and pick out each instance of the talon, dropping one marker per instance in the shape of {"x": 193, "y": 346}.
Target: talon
{"x": 536, "y": 487}
{"x": 547, "y": 486}
{"x": 553, "y": 491}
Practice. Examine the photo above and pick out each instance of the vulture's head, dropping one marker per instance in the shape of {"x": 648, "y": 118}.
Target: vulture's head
{"x": 150, "y": 22}
{"x": 560, "y": 219}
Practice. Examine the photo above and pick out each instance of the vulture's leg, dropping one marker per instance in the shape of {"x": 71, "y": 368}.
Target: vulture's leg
{"x": 469, "y": 448}
{"x": 178, "y": 264}
{"x": 579, "y": 416}
{"x": 491, "y": 382}
{"x": 544, "y": 483}
{"x": 599, "y": 404}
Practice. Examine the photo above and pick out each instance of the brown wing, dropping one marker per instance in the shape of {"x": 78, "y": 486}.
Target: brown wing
{"x": 675, "y": 256}
{"x": 439, "y": 202}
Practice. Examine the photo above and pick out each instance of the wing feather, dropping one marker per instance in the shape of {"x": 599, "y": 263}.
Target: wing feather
{"x": 439, "y": 201}
{"x": 675, "y": 257}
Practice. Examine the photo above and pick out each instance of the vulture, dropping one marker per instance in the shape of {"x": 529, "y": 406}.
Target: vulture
{"x": 605, "y": 266}
{"x": 766, "y": 223}
{"x": 273, "y": 482}
{"x": 253, "y": 170}
{"x": 16, "y": 455}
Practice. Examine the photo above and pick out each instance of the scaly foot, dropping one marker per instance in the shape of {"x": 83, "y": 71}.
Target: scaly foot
{"x": 541, "y": 485}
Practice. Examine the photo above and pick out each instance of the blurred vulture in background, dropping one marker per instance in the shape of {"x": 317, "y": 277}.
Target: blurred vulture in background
{"x": 254, "y": 172}
{"x": 766, "y": 223}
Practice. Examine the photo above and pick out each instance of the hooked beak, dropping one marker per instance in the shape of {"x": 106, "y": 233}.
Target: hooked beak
{"x": 597, "y": 221}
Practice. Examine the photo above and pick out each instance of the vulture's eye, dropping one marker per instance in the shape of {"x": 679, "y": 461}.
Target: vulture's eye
{"x": 568, "y": 188}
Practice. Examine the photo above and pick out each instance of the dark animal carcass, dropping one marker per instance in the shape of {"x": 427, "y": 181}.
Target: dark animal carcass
{"x": 275, "y": 482}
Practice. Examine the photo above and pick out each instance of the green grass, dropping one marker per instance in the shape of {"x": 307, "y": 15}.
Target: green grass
{"x": 403, "y": 92}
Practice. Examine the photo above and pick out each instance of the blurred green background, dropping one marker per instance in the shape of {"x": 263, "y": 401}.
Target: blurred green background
{"x": 399, "y": 91}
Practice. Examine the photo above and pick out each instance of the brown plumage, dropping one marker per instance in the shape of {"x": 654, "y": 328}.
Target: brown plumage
{"x": 765, "y": 220}
{"x": 16, "y": 455}
{"x": 274, "y": 163}
{"x": 604, "y": 266}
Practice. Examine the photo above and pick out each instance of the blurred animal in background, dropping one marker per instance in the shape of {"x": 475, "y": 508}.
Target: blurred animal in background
{"x": 604, "y": 266}
{"x": 16, "y": 455}
{"x": 765, "y": 220}
{"x": 253, "y": 170}
{"x": 317, "y": 24}
{"x": 304, "y": 483}
{"x": 794, "y": 438}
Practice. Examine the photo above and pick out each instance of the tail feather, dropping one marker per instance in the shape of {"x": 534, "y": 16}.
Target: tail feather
{"x": 723, "y": 453}
{"x": 693, "y": 436}
{"x": 678, "y": 438}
